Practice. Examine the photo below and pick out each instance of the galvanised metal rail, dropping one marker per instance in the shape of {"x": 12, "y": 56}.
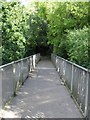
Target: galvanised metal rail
{"x": 13, "y": 75}
{"x": 77, "y": 79}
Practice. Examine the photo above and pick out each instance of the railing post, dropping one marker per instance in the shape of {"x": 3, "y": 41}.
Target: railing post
{"x": 86, "y": 96}
{"x": 72, "y": 78}
{"x": 22, "y": 72}
{"x": 64, "y": 70}
{"x": 34, "y": 57}
{"x": 56, "y": 60}
{"x": 1, "y": 69}
{"x": 14, "y": 83}
{"x": 30, "y": 63}
{"x": 89, "y": 95}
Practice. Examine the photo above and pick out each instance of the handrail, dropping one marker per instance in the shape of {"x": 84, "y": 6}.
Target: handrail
{"x": 74, "y": 64}
{"x": 15, "y": 61}
{"x": 77, "y": 79}
{"x": 13, "y": 75}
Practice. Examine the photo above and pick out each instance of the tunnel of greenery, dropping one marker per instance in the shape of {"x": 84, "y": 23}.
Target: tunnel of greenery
{"x": 46, "y": 27}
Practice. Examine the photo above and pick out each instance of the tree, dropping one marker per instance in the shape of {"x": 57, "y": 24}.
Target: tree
{"x": 13, "y": 31}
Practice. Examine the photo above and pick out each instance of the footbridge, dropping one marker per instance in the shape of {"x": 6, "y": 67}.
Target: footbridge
{"x": 41, "y": 87}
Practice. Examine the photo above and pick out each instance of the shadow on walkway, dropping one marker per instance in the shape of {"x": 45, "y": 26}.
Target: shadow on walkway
{"x": 42, "y": 96}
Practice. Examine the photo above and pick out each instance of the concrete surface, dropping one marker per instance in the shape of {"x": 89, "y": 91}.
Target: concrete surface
{"x": 42, "y": 96}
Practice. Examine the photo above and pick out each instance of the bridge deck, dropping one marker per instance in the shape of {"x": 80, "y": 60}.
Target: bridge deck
{"x": 42, "y": 96}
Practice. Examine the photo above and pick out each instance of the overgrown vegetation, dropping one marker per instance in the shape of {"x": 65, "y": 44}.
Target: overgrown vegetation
{"x": 77, "y": 41}
{"x": 14, "y": 29}
{"x": 64, "y": 26}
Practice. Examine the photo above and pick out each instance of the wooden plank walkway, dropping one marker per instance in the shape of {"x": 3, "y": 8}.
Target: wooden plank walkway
{"x": 42, "y": 96}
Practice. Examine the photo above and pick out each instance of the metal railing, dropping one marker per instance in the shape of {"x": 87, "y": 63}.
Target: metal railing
{"x": 13, "y": 75}
{"x": 77, "y": 79}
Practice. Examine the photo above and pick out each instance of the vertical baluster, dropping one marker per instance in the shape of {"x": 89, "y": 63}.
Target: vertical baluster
{"x": 86, "y": 96}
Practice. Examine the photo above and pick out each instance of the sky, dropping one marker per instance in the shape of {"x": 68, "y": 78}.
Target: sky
{"x": 25, "y": 2}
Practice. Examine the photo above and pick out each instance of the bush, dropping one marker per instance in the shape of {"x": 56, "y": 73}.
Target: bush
{"x": 13, "y": 31}
{"x": 77, "y": 46}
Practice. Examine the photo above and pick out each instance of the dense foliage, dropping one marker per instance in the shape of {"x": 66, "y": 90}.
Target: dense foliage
{"x": 14, "y": 27}
{"x": 38, "y": 29}
{"x": 77, "y": 41}
{"x": 68, "y": 28}
{"x": 22, "y": 31}
{"x": 63, "y": 26}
